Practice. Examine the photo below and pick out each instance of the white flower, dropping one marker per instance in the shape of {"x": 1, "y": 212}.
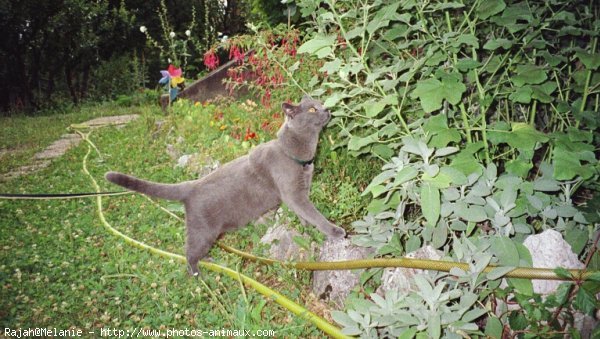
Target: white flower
{"x": 188, "y": 32}
{"x": 224, "y": 38}
{"x": 172, "y": 34}
{"x": 143, "y": 29}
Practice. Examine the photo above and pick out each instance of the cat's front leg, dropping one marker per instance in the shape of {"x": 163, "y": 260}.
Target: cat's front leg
{"x": 305, "y": 210}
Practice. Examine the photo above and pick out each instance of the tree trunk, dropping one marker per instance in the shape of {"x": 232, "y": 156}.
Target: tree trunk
{"x": 51, "y": 84}
{"x": 70, "y": 85}
{"x": 83, "y": 89}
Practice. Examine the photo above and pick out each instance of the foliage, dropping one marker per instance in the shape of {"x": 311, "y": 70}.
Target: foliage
{"x": 55, "y": 46}
{"x": 58, "y": 51}
{"x": 272, "y": 12}
{"x": 484, "y": 114}
{"x": 120, "y": 75}
{"x": 255, "y": 55}
{"x": 178, "y": 47}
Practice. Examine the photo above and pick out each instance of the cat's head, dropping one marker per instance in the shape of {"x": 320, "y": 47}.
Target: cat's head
{"x": 308, "y": 114}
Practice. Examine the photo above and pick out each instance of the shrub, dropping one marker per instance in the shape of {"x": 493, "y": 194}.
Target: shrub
{"x": 485, "y": 114}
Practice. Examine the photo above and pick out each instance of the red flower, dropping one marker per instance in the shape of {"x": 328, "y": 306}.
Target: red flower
{"x": 235, "y": 53}
{"x": 249, "y": 135}
{"x": 211, "y": 60}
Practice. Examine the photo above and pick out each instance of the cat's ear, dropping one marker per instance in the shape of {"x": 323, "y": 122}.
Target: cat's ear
{"x": 289, "y": 109}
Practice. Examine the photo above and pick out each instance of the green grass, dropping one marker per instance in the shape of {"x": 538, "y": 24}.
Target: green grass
{"x": 60, "y": 268}
{"x": 22, "y": 136}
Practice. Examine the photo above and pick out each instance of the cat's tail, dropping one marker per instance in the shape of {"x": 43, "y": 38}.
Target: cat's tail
{"x": 164, "y": 191}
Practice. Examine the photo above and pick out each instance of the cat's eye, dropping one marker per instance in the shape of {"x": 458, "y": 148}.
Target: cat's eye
{"x": 312, "y": 110}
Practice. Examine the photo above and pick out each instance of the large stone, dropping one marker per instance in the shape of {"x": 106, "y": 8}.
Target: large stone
{"x": 283, "y": 247}
{"x": 549, "y": 250}
{"x": 402, "y": 279}
{"x": 336, "y": 285}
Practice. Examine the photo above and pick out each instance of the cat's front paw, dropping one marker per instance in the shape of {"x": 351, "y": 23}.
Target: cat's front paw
{"x": 336, "y": 233}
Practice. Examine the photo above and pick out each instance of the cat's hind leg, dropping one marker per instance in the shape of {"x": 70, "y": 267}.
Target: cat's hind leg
{"x": 198, "y": 243}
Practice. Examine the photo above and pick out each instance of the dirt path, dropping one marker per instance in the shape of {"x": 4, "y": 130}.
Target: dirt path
{"x": 67, "y": 141}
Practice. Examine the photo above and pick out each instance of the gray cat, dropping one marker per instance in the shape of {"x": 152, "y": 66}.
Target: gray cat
{"x": 244, "y": 189}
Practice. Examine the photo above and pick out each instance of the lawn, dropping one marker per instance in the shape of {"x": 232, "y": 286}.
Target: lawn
{"x": 61, "y": 269}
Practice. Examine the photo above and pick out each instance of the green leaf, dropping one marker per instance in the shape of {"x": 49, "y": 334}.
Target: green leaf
{"x": 473, "y": 314}
{"x": 379, "y": 179}
{"x": 519, "y": 167}
{"x": 521, "y": 95}
{"x": 434, "y": 327}
{"x": 594, "y": 276}
{"x": 494, "y": 44}
{"x": 408, "y": 333}
{"x": 320, "y": 45}
{"x": 413, "y": 244}
{"x": 577, "y": 238}
{"x": 430, "y": 203}
{"x": 376, "y": 206}
{"x": 529, "y": 74}
{"x": 523, "y": 286}
{"x": 505, "y": 250}
{"x": 471, "y": 213}
{"x": 567, "y": 165}
{"x": 404, "y": 175}
{"x": 440, "y": 235}
{"x": 585, "y": 301}
{"x": 490, "y": 8}
{"x": 494, "y": 328}
{"x": 467, "y": 39}
{"x": 331, "y": 67}
{"x": 383, "y": 17}
{"x": 432, "y": 92}
{"x": 356, "y": 142}
{"x": 591, "y": 61}
{"x": 522, "y": 136}
{"x": 551, "y": 59}
{"x": 383, "y": 151}
{"x": 517, "y": 321}
{"x": 466, "y": 163}
{"x": 546, "y": 185}
{"x": 374, "y": 108}
{"x": 465, "y": 65}
{"x": 436, "y": 124}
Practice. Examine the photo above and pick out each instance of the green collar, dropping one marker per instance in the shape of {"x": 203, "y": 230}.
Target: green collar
{"x": 298, "y": 161}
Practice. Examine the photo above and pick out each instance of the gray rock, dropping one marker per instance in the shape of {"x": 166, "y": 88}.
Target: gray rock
{"x": 336, "y": 285}
{"x": 283, "y": 247}
{"x": 183, "y": 160}
{"x": 549, "y": 250}
{"x": 172, "y": 152}
{"x": 401, "y": 279}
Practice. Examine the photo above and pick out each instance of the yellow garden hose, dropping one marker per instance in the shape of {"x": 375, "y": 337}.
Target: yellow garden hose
{"x": 424, "y": 264}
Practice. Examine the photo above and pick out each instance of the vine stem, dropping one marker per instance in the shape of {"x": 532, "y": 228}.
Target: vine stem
{"x": 586, "y": 88}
